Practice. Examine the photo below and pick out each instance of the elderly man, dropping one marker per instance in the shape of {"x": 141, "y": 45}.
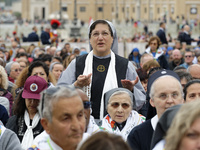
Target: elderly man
{"x": 186, "y": 35}
{"x": 62, "y": 112}
{"x": 194, "y": 70}
{"x": 176, "y": 59}
{"x": 165, "y": 91}
{"x": 189, "y": 56}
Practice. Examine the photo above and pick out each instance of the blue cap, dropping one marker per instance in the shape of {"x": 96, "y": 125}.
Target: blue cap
{"x": 159, "y": 74}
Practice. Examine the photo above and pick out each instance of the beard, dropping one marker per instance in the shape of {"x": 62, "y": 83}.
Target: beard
{"x": 176, "y": 61}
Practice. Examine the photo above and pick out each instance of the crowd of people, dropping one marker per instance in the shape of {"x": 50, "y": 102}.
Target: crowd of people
{"x": 66, "y": 98}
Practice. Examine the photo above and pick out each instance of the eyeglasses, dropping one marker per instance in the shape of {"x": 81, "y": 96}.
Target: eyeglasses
{"x": 116, "y": 104}
{"x": 165, "y": 96}
{"x": 16, "y": 70}
{"x": 96, "y": 34}
{"x": 87, "y": 104}
{"x": 188, "y": 56}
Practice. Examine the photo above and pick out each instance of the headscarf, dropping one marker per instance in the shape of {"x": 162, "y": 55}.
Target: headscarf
{"x": 108, "y": 94}
{"x": 114, "y": 46}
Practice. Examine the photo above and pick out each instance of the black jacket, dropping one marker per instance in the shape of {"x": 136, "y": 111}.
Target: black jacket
{"x": 33, "y": 37}
{"x": 45, "y": 38}
{"x": 162, "y": 36}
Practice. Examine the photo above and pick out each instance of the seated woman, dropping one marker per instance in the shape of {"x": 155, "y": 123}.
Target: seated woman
{"x": 26, "y": 120}
{"x": 121, "y": 117}
{"x": 37, "y": 68}
{"x": 56, "y": 69}
{"x": 135, "y": 56}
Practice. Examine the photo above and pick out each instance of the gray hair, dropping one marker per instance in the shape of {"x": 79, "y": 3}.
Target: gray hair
{"x": 51, "y": 96}
{"x": 152, "y": 90}
{"x": 120, "y": 93}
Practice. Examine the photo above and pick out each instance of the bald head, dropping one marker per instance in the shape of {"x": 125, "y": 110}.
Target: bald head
{"x": 187, "y": 28}
{"x": 194, "y": 70}
{"x": 144, "y": 58}
{"x": 176, "y": 54}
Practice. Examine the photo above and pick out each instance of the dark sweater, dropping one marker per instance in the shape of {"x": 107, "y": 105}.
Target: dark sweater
{"x": 140, "y": 137}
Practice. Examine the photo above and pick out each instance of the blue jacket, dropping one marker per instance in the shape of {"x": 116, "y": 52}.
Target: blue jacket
{"x": 45, "y": 38}
{"x": 33, "y": 37}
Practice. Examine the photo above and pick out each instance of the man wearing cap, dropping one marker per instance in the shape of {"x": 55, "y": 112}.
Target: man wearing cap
{"x": 165, "y": 91}
{"x": 26, "y": 120}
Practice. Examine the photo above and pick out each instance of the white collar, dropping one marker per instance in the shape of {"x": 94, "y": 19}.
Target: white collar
{"x": 161, "y": 29}
{"x": 54, "y": 145}
{"x": 154, "y": 122}
{"x": 186, "y": 32}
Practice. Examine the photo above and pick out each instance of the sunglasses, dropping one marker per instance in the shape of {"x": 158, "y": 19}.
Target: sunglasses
{"x": 87, "y": 104}
{"x": 188, "y": 56}
{"x": 16, "y": 70}
{"x": 116, "y": 105}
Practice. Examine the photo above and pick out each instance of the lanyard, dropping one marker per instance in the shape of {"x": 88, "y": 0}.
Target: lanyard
{"x": 49, "y": 144}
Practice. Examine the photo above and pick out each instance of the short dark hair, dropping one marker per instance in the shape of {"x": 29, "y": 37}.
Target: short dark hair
{"x": 92, "y": 27}
{"x": 38, "y": 64}
{"x": 189, "y": 84}
{"x": 183, "y": 74}
{"x": 46, "y": 57}
{"x": 177, "y": 68}
{"x": 142, "y": 74}
{"x": 21, "y": 55}
{"x": 58, "y": 58}
{"x": 161, "y": 23}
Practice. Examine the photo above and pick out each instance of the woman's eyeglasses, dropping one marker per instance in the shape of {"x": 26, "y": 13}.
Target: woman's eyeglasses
{"x": 124, "y": 105}
{"x": 16, "y": 70}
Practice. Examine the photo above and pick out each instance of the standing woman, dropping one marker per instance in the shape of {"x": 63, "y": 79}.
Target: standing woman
{"x": 102, "y": 70}
{"x": 26, "y": 120}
